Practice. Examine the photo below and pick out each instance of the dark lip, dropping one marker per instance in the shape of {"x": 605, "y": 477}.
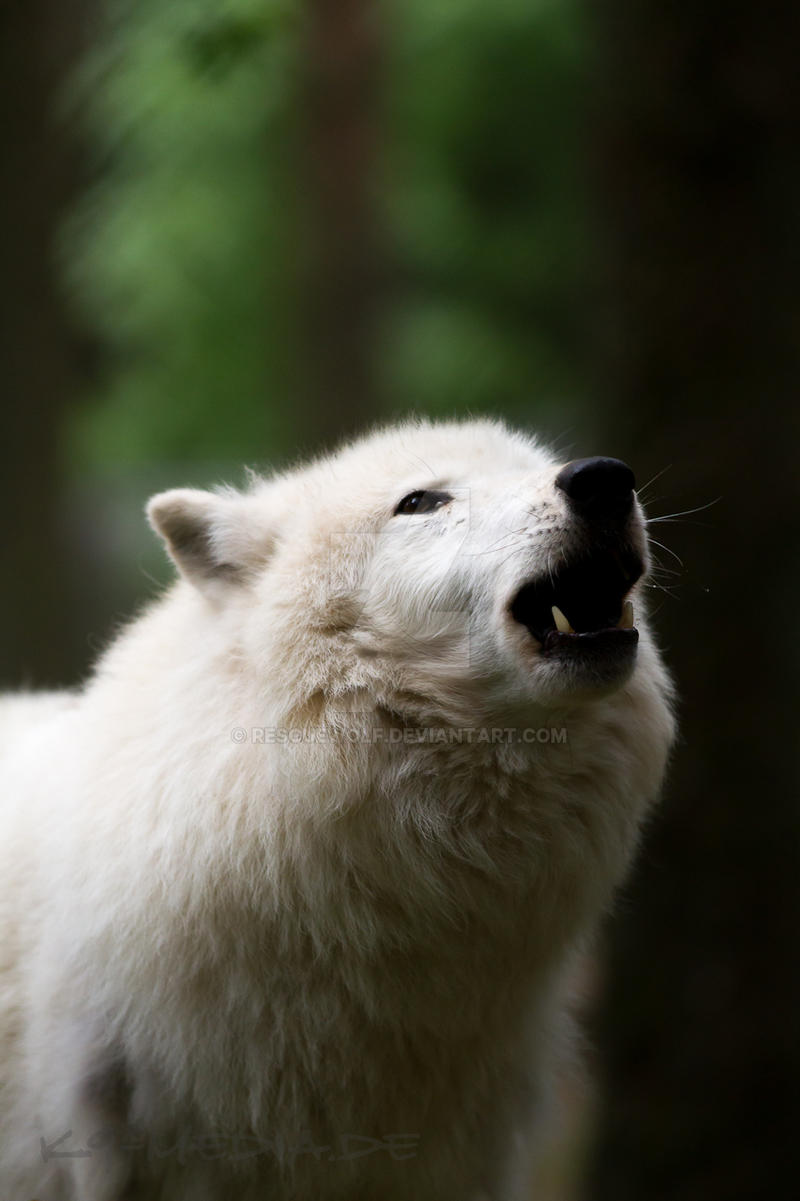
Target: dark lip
{"x": 590, "y": 590}
{"x": 591, "y": 642}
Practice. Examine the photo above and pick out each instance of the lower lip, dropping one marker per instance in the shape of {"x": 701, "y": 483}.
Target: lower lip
{"x": 614, "y": 640}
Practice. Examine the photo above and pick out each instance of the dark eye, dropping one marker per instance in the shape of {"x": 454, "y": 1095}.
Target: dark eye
{"x": 422, "y": 502}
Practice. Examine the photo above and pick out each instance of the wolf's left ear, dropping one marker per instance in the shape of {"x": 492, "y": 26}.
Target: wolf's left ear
{"x": 215, "y": 539}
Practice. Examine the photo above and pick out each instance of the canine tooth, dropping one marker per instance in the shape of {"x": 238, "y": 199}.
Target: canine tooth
{"x": 561, "y": 621}
{"x": 626, "y": 621}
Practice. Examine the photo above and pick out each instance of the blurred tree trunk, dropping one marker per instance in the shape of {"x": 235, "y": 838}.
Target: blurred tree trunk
{"x": 696, "y": 137}
{"x": 40, "y": 41}
{"x": 342, "y": 61}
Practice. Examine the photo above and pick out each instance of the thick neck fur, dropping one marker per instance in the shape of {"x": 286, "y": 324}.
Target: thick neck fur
{"x": 382, "y": 878}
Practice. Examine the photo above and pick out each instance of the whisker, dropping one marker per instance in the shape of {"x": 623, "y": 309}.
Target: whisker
{"x": 668, "y": 591}
{"x": 498, "y": 545}
{"x": 669, "y": 552}
{"x": 652, "y": 480}
{"x": 660, "y": 569}
{"x": 658, "y": 608}
{"x": 683, "y": 513}
{"x": 559, "y": 446}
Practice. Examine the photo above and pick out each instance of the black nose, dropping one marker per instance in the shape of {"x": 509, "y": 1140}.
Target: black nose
{"x": 598, "y": 487}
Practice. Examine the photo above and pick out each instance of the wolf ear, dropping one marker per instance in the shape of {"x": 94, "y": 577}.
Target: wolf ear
{"x": 214, "y": 539}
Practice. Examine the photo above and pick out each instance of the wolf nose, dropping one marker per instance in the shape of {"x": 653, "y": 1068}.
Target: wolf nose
{"x": 598, "y": 487}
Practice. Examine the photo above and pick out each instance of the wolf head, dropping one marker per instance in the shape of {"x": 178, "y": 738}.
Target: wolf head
{"x": 443, "y": 559}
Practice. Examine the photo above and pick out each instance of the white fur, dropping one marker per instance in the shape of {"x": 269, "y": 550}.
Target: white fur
{"x": 342, "y": 935}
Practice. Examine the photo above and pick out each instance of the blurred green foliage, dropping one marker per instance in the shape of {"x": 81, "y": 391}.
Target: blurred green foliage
{"x": 182, "y": 257}
{"x": 485, "y": 204}
{"x": 176, "y": 254}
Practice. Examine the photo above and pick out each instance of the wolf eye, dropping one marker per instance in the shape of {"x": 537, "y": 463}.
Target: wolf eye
{"x": 422, "y": 502}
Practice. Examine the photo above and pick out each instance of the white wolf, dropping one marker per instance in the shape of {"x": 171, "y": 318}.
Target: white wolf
{"x": 291, "y": 888}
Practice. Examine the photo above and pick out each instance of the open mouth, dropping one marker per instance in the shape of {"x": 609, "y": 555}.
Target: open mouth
{"x": 582, "y": 605}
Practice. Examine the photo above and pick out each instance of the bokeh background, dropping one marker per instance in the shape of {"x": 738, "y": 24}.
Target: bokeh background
{"x": 235, "y": 231}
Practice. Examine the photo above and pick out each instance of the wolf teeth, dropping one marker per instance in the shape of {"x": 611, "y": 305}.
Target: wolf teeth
{"x": 561, "y": 621}
{"x": 626, "y": 621}
{"x": 563, "y": 625}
